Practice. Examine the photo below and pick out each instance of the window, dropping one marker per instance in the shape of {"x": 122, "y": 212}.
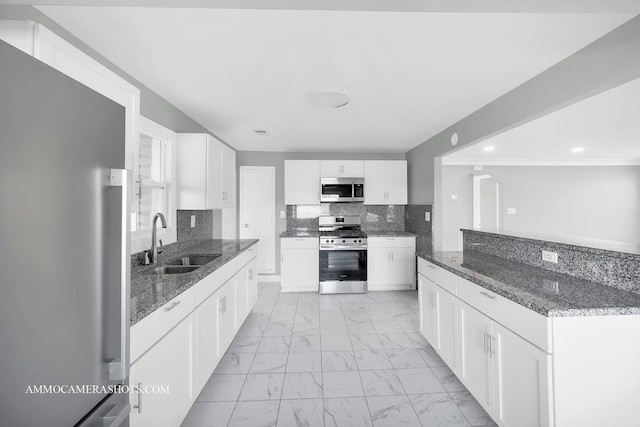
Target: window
{"x": 153, "y": 190}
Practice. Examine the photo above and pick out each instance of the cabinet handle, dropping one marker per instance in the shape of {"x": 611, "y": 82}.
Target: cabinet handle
{"x": 492, "y": 341}
{"x": 281, "y": 258}
{"x": 488, "y": 295}
{"x": 172, "y": 306}
{"x": 433, "y": 299}
{"x": 139, "y": 405}
{"x": 251, "y": 274}
{"x": 433, "y": 267}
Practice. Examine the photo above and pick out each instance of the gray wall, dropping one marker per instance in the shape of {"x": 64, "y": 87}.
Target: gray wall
{"x": 598, "y": 202}
{"x": 606, "y": 63}
{"x": 152, "y": 105}
{"x": 260, "y": 158}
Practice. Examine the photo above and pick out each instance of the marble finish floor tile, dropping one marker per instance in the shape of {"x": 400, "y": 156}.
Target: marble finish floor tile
{"x": 301, "y": 413}
{"x": 347, "y": 412}
{"x": 262, "y": 387}
{"x": 302, "y": 385}
{"x": 309, "y": 360}
{"x": 392, "y": 411}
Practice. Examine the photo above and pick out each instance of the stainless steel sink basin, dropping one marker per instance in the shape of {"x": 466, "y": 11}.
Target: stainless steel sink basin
{"x": 194, "y": 260}
{"x": 176, "y": 269}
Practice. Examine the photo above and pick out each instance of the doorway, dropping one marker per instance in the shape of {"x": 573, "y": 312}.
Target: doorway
{"x": 257, "y": 212}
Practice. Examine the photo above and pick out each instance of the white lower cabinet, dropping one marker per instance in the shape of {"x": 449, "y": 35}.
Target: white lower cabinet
{"x": 180, "y": 344}
{"x": 167, "y": 365}
{"x": 391, "y": 263}
{"x": 439, "y": 321}
{"x": 299, "y": 264}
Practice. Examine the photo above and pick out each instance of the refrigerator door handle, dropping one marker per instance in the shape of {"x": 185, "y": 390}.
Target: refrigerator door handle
{"x": 116, "y": 416}
{"x": 119, "y": 368}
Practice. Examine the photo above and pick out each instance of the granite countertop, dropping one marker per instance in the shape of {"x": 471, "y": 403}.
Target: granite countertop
{"x": 546, "y": 292}
{"x": 150, "y": 291}
{"x": 300, "y": 233}
{"x": 389, "y": 234}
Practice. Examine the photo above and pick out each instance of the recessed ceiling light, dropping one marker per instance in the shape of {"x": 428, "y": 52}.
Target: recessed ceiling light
{"x": 328, "y": 98}
{"x": 578, "y": 149}
{"x": 261, "y": 132}
{"x": 489, "y": 148}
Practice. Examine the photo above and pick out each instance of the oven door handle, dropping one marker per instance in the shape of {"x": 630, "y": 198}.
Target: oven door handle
{"x": 342, "y": 249}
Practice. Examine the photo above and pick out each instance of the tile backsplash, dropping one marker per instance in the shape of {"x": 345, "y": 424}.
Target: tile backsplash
{"x": 208, "y": 224}
{"x": 374, "y": 217}
{"x": 415, "y": 223}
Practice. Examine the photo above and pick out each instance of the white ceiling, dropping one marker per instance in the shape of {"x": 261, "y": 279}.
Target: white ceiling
{"x": 606, "y": 126}
{"x": 409, "y": 75}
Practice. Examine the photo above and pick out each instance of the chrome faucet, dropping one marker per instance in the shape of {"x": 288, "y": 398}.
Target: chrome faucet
{"x": 153, "y": 252}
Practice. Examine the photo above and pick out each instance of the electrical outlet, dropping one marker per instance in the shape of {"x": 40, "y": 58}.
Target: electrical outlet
{"x": 193, "y": 221}
{"x": 550, "y": 285}
{"x": 550, "y": 256}
{"x": 427, "y": 216}
{"x": 511, "y": 211}
{"x": 282, "y": 215}
{"x": 454, "y": 197}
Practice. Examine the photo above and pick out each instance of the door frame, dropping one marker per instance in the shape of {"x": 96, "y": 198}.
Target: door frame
{"x": 272, "y": 210}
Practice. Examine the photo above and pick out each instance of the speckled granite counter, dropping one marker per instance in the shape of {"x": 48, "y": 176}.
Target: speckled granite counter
{"x": 149, "y": 290}
{"x": 300, "y": 233}
{"x": 389, "y": 234}
{"x": 546, "y": 292}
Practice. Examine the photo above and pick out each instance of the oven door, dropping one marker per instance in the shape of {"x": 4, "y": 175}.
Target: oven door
{"x": 336, "y": 190}
{"x": 343, "y": 271}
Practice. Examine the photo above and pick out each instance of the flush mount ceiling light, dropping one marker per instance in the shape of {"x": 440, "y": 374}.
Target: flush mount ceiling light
{"x": 578, "y": 149}
{"x": 328, "y": 98}
{"x": 261, "y": 132}
{"x": 454, "y": 139}
{"x": 489, "y": 148}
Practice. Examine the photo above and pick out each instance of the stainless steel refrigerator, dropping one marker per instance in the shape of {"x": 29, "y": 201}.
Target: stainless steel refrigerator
{"x": 64, "y": 270}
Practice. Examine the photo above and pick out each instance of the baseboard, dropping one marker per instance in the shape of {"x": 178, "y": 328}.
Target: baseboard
{"x": 403, "y": 287}
{"x": 268, "y": 278}
{"x": 300, "y": 289}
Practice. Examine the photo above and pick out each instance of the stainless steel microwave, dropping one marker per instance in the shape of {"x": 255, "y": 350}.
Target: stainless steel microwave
{"x": 341, "y": 190}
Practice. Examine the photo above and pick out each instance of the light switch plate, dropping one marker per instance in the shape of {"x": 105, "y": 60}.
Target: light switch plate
{"x": 427, "y": 216}
{"x": 550, "y": 256}
{"x": 454, "y": 197}
{"x": 511, "y": 211}
{"x": 282, "y": 215}
{"x": 193, "y": 221}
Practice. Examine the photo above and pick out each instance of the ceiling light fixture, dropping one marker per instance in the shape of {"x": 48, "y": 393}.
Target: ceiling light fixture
{"x": 489, "y": 148}
{"x": 261, "y": 132}
{"x": 454, "y": 139}
{"x": 328, "y": 98}
{"x": 578, "y": 149}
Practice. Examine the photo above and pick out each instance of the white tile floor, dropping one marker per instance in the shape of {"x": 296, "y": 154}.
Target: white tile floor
{"x": 333, "y": 360}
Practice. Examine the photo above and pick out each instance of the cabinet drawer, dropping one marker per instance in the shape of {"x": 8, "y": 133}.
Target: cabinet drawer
{"x": 152, "y": 328}
{"x": 438, "y": 275}
{"x": 299, "y": 242}
{"x": 532, "y": 326}
{"x": 391, "y": 242}
{"x": 246, "y": 256}
{"x": 211, "y": 283}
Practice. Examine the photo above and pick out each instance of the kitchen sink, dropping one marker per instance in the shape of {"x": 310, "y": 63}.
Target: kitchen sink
{"x": 176, "y": 269}
{"x": 190, "y": 260}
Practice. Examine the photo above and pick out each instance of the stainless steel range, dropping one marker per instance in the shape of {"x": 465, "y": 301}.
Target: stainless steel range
{"x": 343, "y": 255}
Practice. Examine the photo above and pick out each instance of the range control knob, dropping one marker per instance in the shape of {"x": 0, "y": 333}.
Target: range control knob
{"x": 359, "y": 241}
{"x": 332, "y": 241}
{"x": 343, "y": 241}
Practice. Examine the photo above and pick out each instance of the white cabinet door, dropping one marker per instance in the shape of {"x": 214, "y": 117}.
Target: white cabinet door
{"x": 299, "y": 270}
{"x": 403, "y": 261}
{"x": 427, "y": 297}
{"x": 214, "y": 173}
{"x": 396, "y": 176}
{"x": 391, "y": 263}
{"x": 168, "y": 363}
{"x": 476, "y": 369}
{"x": 207, "y": 344}
{"x": 252, "y": 283}
{"x": 342, "y": 168}
{"x": 447, "y": 328}
{"x": 227, "y": 309}
{"x": 242, "y": 295}
{"x": 228, "y": 168}
{"x": 380, "y": 271}
{"x": 522, "y": 373}
{"x": 375, "y": 182}
{"x": 302, "y": 182}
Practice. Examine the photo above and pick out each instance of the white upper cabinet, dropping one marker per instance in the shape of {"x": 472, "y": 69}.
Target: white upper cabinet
{"x": 302, "y": 182}
{"x": 206, "y": 173}
{"x": 38, "y": 41}
{"x": 385, "y": 182}
{"x": 341, "y": 168}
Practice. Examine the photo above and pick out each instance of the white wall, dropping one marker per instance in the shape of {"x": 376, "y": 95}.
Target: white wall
{"x": 599, "y": 202}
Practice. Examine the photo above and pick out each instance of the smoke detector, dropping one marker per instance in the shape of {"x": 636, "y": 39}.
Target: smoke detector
{"x": 328, "y": 98}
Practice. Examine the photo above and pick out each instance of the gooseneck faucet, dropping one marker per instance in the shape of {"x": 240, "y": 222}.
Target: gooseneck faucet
{"x": 153, "y": 252}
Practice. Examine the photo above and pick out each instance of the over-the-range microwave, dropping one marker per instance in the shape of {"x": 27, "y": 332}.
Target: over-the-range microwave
{"x": 341, "y": 190}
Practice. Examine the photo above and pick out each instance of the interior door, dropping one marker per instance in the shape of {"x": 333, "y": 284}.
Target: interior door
{"x": 257, "y": 212}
